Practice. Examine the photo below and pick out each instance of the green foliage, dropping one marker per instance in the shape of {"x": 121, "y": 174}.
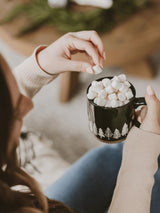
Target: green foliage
{"x": 66, "y": 19}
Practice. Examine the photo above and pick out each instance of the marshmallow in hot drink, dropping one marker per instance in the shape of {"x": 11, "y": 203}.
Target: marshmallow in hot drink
{"x": 123, "y": 88}
{"x": 94, "y": 83}
{"x": 102, "y": 94}
{"x": 129, "y": 94}
{"x": 98, "y": 86}
{"x": 121, "y": 96}
{"x": 112, "y": 97}
{"x": 122, "y": 78}
{"x": 116, "y": 84}
{"x": 126, "y": 83}
{"x": 106, "y": 82}
{"x": 91, "y": 95}
{"x": 109, "y": 89}
{"x": 108, "y": 104}
{"x": 114, "y": 103}
{"x": 126, "y": 101}
{"x": 113, "y": 92}
{"x": 101, "y": 101}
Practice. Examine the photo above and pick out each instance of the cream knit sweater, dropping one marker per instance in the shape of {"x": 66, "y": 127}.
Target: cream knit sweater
{"x": 139, "y": 164}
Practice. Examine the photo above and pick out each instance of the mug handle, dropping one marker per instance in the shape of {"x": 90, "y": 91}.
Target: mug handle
{"x": 138, "y": 102}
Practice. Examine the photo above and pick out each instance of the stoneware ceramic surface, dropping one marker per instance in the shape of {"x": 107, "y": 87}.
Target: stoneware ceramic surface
{"x": 111, "y": 125}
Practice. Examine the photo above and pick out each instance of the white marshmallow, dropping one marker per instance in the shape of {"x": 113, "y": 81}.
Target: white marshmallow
{"x": 110, "y": 93}
{"x": 112, "y": 97}
{"x": 120, "y": 103}
{"x": 108, "y": 104}
{"x": 94, "y": 83}
{"x": 114, "y": 103}
{"x": 109, "y": 89}
{"x": 97, "y": 69}
{"x": 101, "y": 101}
{"x": 125, "y": 102}
{"x": 121, "y": 96}
{"x": 91, "y": 95}
{"x": 95, "y": 100}
{"x": 97, "y": 87}
{"x": 122, "y": 77}
{"x": 106, "y": 82}
{"x": 116, "y": 84}
{"x": 126, "y": 83}
{"x": 115, "y": 78}
{"x": 123, "y": 88}
{"x": 91, "y": 89}
{"x": 129, "y": 94}
{"x": 102, "y": 93}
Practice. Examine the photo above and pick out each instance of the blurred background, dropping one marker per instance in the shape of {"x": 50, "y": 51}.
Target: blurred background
{"x": 130, "y": 31}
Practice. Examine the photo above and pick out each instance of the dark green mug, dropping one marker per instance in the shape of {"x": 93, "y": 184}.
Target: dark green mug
{"x": 111, "y": 125}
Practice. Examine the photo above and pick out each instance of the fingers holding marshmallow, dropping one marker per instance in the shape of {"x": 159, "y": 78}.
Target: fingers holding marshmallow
{"x": 97, "y": 69}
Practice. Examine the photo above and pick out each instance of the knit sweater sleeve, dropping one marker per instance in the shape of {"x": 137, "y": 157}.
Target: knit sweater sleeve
{"x": 30, "y": 77}
{"x": 136, "y": 176}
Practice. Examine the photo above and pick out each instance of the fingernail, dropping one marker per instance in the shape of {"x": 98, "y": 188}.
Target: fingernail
{"x": 101, "y": 63}
{"x": 104, "y": 55}
{"x": 89, "y": 70}
{"x": 150, "y": 91}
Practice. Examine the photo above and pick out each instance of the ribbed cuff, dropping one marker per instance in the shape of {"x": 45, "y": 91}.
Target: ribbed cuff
{"x": 30, "y": 77}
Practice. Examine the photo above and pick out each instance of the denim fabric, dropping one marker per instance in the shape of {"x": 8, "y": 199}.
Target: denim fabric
{"x": 155, "y": 200}
{"x": 88, "y": 185}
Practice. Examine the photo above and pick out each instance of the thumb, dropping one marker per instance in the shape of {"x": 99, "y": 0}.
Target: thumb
{"x": 152, "y": 102}
{"x": 152, "y": 120}
{"x": 78, "y": 66}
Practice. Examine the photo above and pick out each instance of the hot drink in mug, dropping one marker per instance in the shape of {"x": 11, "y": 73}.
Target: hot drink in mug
{"x": 111, "y": 104}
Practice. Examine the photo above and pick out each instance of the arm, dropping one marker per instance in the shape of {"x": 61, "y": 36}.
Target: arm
{"x": 30, "y": 77}
{"x": 136, "y": 176}
{"x": 139, "y": 164}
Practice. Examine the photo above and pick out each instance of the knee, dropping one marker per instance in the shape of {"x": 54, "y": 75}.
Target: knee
{"x": 107, "y": 154}
{"x": 107, "y": 150}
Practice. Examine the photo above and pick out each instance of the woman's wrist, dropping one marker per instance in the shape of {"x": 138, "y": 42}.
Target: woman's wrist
{"x": 41, "y": 58}
{"x": 151, "y": 127}
{"x": 155, "y": 131}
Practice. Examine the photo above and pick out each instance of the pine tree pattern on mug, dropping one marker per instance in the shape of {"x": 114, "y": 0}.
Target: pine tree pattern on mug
{"x": 116, "y": 134}
{"x": 101, "y": 134}
{"x": 125, "y": 129}
{"x": 108, "y": 133}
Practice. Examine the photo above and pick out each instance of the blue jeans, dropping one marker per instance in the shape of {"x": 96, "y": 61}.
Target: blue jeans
{"x": 88, "y": 185}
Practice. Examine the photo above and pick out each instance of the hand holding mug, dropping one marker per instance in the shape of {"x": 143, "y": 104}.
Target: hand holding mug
{"x": 150, "y": 116}
{"x": 112, "y": 124}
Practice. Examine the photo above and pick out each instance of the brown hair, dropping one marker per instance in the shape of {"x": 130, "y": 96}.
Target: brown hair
{"x": 32, "y": 200}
